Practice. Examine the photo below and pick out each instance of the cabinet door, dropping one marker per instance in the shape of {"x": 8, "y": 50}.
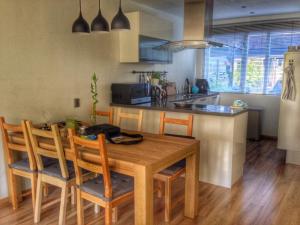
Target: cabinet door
{"x": 149, "y": 51}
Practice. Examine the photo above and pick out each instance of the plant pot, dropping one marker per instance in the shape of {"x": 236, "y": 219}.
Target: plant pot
{"x": 154, "y": 81}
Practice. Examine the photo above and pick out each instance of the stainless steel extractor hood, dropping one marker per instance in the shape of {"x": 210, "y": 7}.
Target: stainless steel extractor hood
{"x": 198, "y": 18}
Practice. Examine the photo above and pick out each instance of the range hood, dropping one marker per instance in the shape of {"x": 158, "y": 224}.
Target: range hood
{"x": 198, "y": 18}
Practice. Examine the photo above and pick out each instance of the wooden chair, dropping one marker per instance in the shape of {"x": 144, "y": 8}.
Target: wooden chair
{"x": 138, "y": 117}
{"x": 25, "y": 168}
{"x": 171, "y": 173}
{"x": 107, "y": 190}
{"x": 60, "y": 174}
{"x": 108, "y": 114}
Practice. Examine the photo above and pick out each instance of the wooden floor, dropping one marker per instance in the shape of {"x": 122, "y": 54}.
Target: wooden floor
{"x": 268, "y": 194}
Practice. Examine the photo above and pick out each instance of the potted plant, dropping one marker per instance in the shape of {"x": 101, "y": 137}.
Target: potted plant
{"x": 155, "y": 78}
{"x": 94, "y": 93}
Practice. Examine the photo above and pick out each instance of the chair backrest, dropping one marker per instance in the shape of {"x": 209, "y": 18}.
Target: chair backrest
{"x": 22, "y": 145}
{"x": 184, "y": 122}
{"x": 133, "y": 116}
{"x": 108, "y": 114}
{"x": 78, "y": 145}
{"x": 47, "y": 144}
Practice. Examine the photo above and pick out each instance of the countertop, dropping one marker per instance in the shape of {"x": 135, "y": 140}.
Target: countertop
{"x": 217, "y": 110}
{"x": 187, "y": 97}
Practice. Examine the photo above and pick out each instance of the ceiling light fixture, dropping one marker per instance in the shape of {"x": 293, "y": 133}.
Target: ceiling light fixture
{"x": 120, "y": 21}
{"x": 100, "y": 24}
{"x": 80, "y": 25}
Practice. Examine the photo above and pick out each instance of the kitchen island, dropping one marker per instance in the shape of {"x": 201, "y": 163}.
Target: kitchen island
{"x": 221, "y": 130}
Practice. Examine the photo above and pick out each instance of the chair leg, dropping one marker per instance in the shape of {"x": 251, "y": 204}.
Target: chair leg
{"x": 13, "y": 189}
{"x": 168, "y": 200}
{"x": 63, "y": 205}
{"x": 115, "y": 215}
{"x": 80, "y": 212}
{"x": 160, "y": 185}
{"x": 38, "y": 201}
{"x": 108, "y": 214}
{"x": 33, "y": 189}
{"x": 46, "y": 190}
{"x": 73, "y": 195}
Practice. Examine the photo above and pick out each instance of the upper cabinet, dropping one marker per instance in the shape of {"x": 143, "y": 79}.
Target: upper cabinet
{"x": 139, "y": 45}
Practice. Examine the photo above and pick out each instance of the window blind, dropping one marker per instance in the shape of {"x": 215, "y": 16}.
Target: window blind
{"x": 254, "y": 62}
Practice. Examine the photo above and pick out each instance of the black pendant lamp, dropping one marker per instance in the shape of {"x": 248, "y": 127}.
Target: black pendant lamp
{"x": 120, "y": 21}
{"x": 100, "y": 24}
{"x": 80, "y": 25}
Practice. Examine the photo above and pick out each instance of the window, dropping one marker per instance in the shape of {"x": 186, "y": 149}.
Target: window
{"x": 255, "y": 63}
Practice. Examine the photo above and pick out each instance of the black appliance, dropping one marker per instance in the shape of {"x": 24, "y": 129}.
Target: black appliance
{"x": 131, "y": 93}
{"x": 203, "y": 86}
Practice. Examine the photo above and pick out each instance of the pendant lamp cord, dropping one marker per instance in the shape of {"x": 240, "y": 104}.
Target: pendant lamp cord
{"x": 120, "y": 5}
{"x": 99, "y": 5}
{"x": 80, "y": 6}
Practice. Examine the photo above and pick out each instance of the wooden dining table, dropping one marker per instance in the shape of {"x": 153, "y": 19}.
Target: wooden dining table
{"x": 142, "y": 161}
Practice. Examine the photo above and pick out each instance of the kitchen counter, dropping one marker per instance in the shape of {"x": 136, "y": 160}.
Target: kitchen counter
{"x": 217, "y": 110}
{"x": 221, "y": 130}
{"x": 186, "y": 97}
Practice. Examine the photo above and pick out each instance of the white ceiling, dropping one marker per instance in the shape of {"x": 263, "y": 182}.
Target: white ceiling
{"x": 227, "y": 9}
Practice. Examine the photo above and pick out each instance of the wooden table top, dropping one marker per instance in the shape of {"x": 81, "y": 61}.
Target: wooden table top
{"x": 151, "y": 150}
{"x": 154, "y": 151}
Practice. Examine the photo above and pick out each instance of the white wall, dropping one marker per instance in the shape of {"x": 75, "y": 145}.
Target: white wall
{"x": 43, "y": 66}
{"x": 269, "y": 104}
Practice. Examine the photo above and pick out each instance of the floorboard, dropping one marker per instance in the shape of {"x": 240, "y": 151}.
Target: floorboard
{"x": 268, "y": 194}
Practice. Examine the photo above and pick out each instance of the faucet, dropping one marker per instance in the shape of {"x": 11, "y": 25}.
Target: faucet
{"x": 187, "y": 86}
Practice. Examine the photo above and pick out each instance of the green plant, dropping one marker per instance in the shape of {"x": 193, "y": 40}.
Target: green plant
{"x": 156, "y": 75}
{"x": 94, "y": 93}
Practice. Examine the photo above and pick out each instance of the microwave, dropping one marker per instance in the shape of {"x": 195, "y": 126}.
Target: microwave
{"x": 131, "y": 93}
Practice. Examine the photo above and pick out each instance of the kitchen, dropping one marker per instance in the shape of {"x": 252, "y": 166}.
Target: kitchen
{"x": 41, "y": 59}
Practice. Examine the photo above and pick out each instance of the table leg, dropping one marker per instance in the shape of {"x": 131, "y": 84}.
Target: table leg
{"x": 191, "y": 184}
{"x": 143, "y": 196}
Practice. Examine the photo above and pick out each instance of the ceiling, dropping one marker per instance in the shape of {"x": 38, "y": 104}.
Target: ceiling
{"x": 227, "y": 9}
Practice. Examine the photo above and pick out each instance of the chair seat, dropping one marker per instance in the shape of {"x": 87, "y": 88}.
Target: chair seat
{"x": 25, "y": 166}
{"x": 121, "y": 184}
{"x": 173, "y": 169}
{"x": 22, "y": 165}
{"x": 55, "y": 171}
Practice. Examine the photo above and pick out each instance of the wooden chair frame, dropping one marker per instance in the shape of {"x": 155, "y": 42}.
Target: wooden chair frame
{"x": 133, "y": 116}
{"x": 109, "y": 114}
{"x": 101, "y": 168}
{"x": 169, "y": 179}
{"x": 9, "y": 148}
{"x": 56, "y": 151}
{"x": 184, "y": 122}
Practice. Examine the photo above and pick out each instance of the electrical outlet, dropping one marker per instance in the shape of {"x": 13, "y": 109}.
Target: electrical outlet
{"x": 76, "y": 102}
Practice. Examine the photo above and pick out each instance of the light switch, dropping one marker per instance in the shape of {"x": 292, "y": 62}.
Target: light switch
{"x": 76, "y": 102}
